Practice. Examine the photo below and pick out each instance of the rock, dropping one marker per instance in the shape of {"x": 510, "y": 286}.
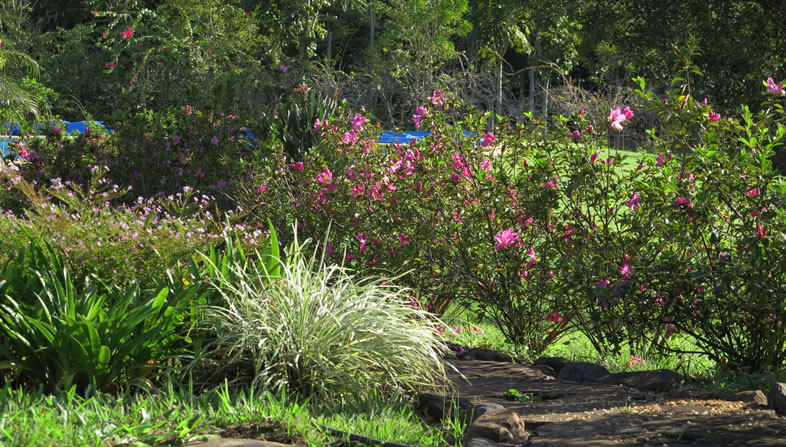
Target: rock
{"x": 497, "y": 426}
{"x": 437, "y": 407}
{"x": 547, "y": 370}
{"x": 471, "y": 414}
{"x": 582, "y": 372}
{"x": 555, "y": 363}
{"x": 756, "y": 397}
{"x": 657, "y": 380}
{"x": 487, "y": 355}
{"x": 777, "y": 398}
{"x": 480, "y": 442}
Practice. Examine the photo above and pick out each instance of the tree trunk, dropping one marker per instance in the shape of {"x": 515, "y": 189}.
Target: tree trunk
{"x": 532, "y": 61}
{"x": 545, "y": 112}
{"x": 372, "y": 24}
{"x": 330, "y": 46}
{"x": 499, "y": 87}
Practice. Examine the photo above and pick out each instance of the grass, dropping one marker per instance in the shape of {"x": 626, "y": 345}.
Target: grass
{"x": 174, "y": 417}
{"x": 705, "y": 375}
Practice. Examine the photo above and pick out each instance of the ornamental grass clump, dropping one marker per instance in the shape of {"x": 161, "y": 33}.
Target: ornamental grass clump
{"x": 316, "y": 329}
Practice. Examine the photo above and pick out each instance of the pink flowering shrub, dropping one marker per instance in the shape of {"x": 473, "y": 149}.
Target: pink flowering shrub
{"x": 446, "y": 212}
{"x": 547, "y": 232}
{"x": 719, "y": 268}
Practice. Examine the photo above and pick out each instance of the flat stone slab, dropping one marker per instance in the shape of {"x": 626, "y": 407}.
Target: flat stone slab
{"x": 563, "y": 413}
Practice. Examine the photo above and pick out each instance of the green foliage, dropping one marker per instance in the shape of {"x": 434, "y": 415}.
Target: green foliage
{"x": 80, "y": 333}
{"x": 291, "y": 123}
{"x": 121, "y": 244}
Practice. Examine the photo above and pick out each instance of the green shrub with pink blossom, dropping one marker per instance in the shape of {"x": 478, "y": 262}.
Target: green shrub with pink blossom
{"x": 537, "y": 229}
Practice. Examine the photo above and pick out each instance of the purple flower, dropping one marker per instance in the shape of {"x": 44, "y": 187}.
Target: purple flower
{"x": 214, "y": 140}
{"x": 283, "y": 68}
{"x": 221, "y": 184}
{"x": 773, "y": 88}
{"x": 633, "y": 203}
{"x": 626, "y": 270}
{"x": 603, "y": 283}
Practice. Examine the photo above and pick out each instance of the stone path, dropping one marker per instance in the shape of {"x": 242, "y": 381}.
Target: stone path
{"x": 567, "y": 413}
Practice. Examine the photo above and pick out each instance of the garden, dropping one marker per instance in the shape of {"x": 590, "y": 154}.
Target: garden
{"x": 233, "y": 245}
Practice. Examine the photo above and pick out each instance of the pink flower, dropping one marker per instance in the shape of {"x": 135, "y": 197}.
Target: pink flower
{"x": 357, "y": 122}
{"x": 594, "y": 157}
{"x": 487, "y": 140}
{"x": 775, "y": 89}
{"x": 679, "y": 201}
{"x": 576, "y": 135}
{"x": 581, "y": 112}
{"x": 505, "y": 239}
{"x": 325, "y": 177}
{"x": 485, "y": 165}
{"x": 127, "y": 33}
{"x": 633, "y": 203}
{"x": 262, "y": 188}
{"x": 296, "y": 166}
{"x": 754, "y": 192}
{"x": 349, "y": 138}
{"x": 635, "y": 361}
{"x": 714, "y": 117}
{"x": 603, "y": 283}
{"x": 551, "y": 184}
{"x": 590, "y": 129}
{"x": 532, "y": 257}
{"x": 420, "y": 112}
{"x": 437, "y": 97}
{"x": 403, "y": 239}
{"x": 554, "y": 317}
{"x": 317, "y": 126}
{"x": 617, "y": 117}
{"x": 761, "y": 232}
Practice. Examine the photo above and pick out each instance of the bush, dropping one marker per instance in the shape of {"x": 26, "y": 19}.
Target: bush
{"x": 117, "y": 243}
{"x": 316, "y": 330}
{"x": 60, "y": 332}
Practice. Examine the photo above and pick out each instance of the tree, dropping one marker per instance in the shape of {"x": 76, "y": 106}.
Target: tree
{"x": 14, "y": 65}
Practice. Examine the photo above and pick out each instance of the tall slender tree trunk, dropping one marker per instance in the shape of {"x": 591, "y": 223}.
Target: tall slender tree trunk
{"x": 545, "y": 110}
{"x": 535, "y": 55}
{"x": 330, "y": 46}
{"x": 499, "y": 87}
{"x": 372, "y": 24}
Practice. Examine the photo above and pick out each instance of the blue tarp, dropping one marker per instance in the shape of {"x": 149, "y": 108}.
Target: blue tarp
{"x": 77, "y": 127}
